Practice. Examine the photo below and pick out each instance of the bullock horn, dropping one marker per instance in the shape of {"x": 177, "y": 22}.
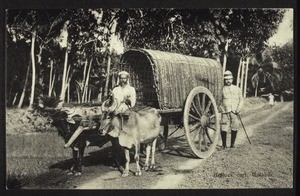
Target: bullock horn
{"x": 103, "y": 107}
{"x": 109, "y": 107}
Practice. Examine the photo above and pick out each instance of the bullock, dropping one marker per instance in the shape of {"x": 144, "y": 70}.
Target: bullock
{"x": 67, "y": 126}
{"x": 133, "y": 128}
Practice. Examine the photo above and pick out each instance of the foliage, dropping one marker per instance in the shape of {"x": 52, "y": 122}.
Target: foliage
{"x": 275, "y": 69}
{"x": 284, "y": 56}
{"x": 197, "y": 32}
{"x": 249, "y": 29}
{"x": 188, "y": 31}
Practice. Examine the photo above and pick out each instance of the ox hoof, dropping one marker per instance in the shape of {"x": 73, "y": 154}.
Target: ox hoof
{"x": 152, "y": 167}
{"x": 77, "y": 174}
{"x": 125, "y": 174}
{"x": 138, "y": 173}
{"x": 146, "y": 168}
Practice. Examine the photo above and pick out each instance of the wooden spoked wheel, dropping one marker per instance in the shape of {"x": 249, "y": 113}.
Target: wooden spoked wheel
{"x": 201, "y": 122}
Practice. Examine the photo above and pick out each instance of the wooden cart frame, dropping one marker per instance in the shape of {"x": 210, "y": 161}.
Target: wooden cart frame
{"x": 183, "y": 85}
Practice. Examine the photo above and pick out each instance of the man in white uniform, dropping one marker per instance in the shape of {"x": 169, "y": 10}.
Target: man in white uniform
{"x": 124, "y": 94}
{"x": 271, "y": 99}
{"x": 231, "y": 105}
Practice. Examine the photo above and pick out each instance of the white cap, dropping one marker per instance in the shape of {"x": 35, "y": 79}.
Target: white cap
{"x": 228, "y": 75}
{"x": 123, "y": 73}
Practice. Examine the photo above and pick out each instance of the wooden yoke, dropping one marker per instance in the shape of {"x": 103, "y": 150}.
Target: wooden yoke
{"x": 84, "y": 125}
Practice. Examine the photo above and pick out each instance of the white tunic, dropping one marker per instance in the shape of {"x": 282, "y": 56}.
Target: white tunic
{"x": 232, "y": 99}
{"x": 271, "y": 99}
{"x": 123, "y": 93}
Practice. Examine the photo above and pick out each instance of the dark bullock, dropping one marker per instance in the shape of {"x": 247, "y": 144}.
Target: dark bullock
{"x": 88, "y": 137}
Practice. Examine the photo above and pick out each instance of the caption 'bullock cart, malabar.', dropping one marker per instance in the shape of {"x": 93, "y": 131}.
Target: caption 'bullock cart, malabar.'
{"x": 181, "y": 87}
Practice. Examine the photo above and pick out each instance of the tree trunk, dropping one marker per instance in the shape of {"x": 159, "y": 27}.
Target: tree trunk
{"x": 24, "y": 88}
{"x": 90, "y": 93}
{"x": 14, "y": 100}
{"x": 246, "y": 77}
{"x": 100, "y": 94}
{"x": 33, "y": 69}
{"x": 50, "y": 79}
{"x": 86, "y": 86}
{"x": 242, "y": 75}
{"x": 107, "y": 75}
{"x": 52, "y": 85}
{"x": 64, "y": 80}
{"x": 84, "y": 78}
{"x": 78, "y": 94}
{"x": 68, "y": 86}
{"x": 82, "y": 90}
{"x": 256, "y": 87}
{"x": 239, "y": 73}
{"x": 225, "y": 56}
{"x": 112, "y": 32}
{"x": 68, "y": 93}
{"x": 281, "y": 98}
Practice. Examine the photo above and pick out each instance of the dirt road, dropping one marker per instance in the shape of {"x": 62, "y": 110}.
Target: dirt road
{"x": 267, "y": 163}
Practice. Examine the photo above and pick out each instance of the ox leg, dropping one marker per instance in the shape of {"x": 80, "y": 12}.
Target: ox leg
{"x": 127, "y": 157}
{"x": 74, "y": 161}
{"x": 79, "y": 161}
{"x": 116, "y": 153}
{"x": 137, "y": 160}
{"x": 148, "y": 150}
{"x": 152, "y": 166}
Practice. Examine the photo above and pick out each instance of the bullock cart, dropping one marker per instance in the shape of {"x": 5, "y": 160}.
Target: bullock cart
{"x": 181, "y": 87}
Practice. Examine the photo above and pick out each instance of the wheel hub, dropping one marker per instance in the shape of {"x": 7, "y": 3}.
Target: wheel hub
{"x": 204, "y": 121}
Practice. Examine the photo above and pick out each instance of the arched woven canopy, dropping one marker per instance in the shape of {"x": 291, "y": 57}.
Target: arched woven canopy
{"x": 164, "y": 79}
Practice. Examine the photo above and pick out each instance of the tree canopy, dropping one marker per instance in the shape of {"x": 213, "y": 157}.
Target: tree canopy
{"x": 77, "y": 42}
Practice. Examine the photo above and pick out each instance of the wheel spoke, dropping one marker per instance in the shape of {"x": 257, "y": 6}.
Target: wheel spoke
{"x": 193, "y": 128}
{"x": 195, "y": 108}
{"x": 212, "y": 116}
{"x": 207, "y": 107}
{"x": 194, "y": 117}
{"x": 196, "y": 134}
{"x": 211, "y": 128}
{"x": 204, "y": 140}
{"x": 203, "y": 101}
{"x": 208, "y": 136}
{"x": 199, "y": 103}
{"x": 212, "y": 119}
{"x": 199, "y": 141}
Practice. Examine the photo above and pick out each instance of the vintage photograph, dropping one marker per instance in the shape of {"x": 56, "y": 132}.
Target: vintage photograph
{"x": 149, "y": 98}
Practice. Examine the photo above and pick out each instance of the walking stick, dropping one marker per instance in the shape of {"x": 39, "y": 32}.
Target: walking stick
{"x": 244, "y": 128}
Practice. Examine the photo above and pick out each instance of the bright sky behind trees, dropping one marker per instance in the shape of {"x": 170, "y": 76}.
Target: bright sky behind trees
{"x": 285, "y": 30}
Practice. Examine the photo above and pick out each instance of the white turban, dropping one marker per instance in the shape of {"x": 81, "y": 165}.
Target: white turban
{"x": 123, "y": 73}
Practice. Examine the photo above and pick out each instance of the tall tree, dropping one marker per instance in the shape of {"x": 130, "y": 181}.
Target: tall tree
{"x": 37, "y": 28}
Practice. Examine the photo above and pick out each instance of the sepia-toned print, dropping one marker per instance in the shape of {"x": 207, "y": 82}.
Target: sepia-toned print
{"x": 163, "y": 98}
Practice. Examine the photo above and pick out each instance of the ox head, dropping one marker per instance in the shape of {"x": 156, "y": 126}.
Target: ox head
{"x": 108, "y": 116}
{"x": 108, "y": 107}
{"x": 110, "y": 126}
{"x": 65, "y": 125}
{"x": 108, "y": 119}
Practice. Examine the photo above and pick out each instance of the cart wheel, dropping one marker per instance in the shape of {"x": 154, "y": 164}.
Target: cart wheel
{"x": 201, "y": 122}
